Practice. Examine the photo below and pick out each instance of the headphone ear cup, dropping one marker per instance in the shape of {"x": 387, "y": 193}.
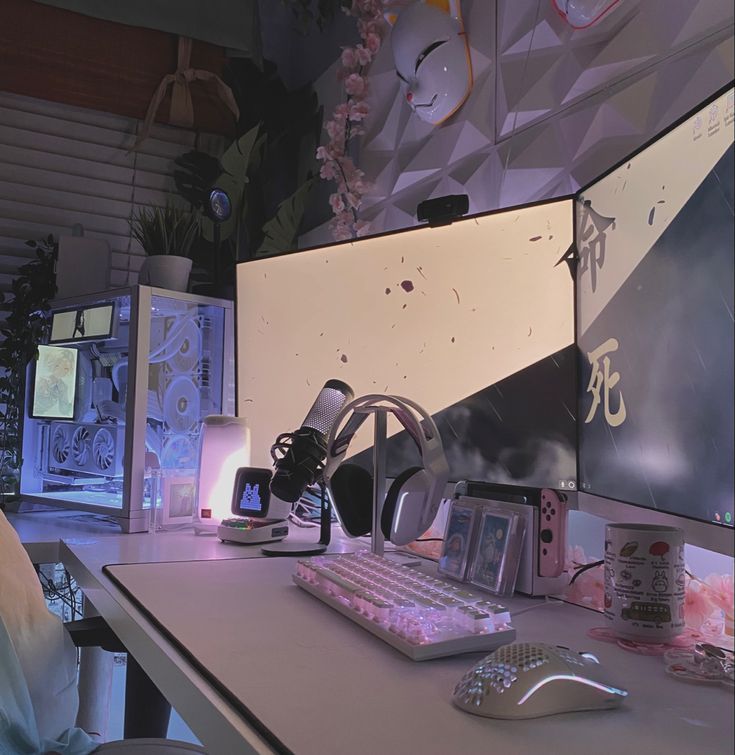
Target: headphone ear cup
{"x": 351, "y": 487}
{"x": 391, "y": 499}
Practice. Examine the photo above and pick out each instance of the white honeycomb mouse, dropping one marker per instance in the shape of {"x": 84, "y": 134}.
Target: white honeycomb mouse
{"x": 529, "y": 680}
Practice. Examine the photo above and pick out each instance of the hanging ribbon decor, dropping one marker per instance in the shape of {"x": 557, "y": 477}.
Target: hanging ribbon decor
{"x": 182, "y": 108}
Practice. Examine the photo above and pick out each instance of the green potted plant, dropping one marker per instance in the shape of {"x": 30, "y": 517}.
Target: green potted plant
{"x": 166, "y": 235}
{"x": 23, "y": 329}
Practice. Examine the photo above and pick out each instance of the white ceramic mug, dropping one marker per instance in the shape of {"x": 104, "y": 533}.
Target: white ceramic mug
{"x": 644, "y": 581}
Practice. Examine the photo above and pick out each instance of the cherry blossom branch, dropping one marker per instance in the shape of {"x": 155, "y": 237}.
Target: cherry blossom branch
{"x": 346, "y": 121}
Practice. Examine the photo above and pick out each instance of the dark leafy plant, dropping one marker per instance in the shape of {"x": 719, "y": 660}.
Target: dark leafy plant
{"x": 319, "y": 12}
{"x": 22, "y": 331}
{"x": 165, "y": 230}
{"x": 262, "y": 170}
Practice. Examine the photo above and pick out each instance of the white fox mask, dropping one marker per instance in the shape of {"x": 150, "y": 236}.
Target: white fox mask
{"x": 432, "y": 57}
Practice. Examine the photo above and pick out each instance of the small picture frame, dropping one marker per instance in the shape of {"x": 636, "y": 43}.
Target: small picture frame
{"x": 497, "y": 554}
{"x": 178, "y": 496}
{"x": 458, "y": 537}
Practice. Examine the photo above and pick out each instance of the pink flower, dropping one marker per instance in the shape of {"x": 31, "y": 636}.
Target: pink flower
{"x": 575, "y": 557}
{"x": 358, "y": 111}
{"x": 364, "y": 56}
{"x": 352, "y": 200}
{"x": 355, "y": 84}
{"x": 720, "y": 590}
{"x": 341, "y": 232}
{"x": 336, "y": 203}
{"x": 349, "y": 58}
{"x": 372, "y": 42}
{"x": 334, "y": 129}
{"x": 362, "y": 228}
{"x": 697, "y": 607}
{"x": 328, "y": 172}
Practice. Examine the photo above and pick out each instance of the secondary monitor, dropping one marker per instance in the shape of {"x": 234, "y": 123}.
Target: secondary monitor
{"x": 474, "y": 321}
{"x": 93, "y": 323}
{"x": 54, "y": 383}
{"x": 655, "y": 326}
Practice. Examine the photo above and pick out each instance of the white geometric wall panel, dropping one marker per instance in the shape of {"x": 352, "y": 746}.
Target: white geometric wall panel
{"x": 552, "y": 108}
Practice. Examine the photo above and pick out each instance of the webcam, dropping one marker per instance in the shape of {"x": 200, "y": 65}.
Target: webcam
{"x": 443, "y": 210}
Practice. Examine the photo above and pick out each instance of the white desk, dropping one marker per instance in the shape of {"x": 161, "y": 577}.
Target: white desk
{"x": 320, "y": 684}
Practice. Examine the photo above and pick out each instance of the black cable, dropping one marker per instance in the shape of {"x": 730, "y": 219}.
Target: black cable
{"x": 585, "y": 568}
{"x": 72, "y": 594}
{"x": 429, "y": 540}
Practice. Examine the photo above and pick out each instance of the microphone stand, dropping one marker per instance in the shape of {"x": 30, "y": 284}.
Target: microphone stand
{"x": 286, "y": 548}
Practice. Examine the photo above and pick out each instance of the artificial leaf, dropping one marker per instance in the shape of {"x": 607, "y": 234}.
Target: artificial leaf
{"x": 282, "y": 229}
{"x": 237, "y": 156}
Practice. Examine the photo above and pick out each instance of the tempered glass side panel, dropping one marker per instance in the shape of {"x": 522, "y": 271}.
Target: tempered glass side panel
{"x": 185, "y": 381}
{"x": 74, "y": 431}
{"x": 473, "y": 320}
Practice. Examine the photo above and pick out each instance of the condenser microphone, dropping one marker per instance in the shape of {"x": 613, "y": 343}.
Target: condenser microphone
{"x": 299, "y": 456}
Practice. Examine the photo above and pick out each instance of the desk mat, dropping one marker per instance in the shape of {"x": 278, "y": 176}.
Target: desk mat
{"x": 311, "y": 682}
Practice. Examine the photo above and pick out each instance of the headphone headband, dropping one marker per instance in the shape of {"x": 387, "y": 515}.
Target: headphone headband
{"x": 423, "y": 431}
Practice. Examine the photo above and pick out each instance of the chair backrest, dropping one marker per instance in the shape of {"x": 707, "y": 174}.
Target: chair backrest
{"x": 37, "y": 657}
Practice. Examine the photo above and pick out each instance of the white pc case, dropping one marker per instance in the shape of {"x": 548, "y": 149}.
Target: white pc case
{"x": 145, "y": 374}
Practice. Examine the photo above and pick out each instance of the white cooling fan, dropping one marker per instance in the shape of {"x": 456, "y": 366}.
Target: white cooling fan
{"x": 80, "y": 446}
{"x": 181, "y": 405}
{"x": 87, "y": 449}
{"x": 60, "y": 443}
{"x": 179, "y": 452}
{"x": 103, "y": 449}
{"x": 189, "y": 348}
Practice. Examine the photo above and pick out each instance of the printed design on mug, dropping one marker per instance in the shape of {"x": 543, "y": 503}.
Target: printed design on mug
{"x": 610, "y": 573}
{"x": 660, "y": 582}
{"x": 626, "y": 575}
{"x": 629, "y": 549}
{"x": 659, "y": 548}
{"x": 658, "y": 613}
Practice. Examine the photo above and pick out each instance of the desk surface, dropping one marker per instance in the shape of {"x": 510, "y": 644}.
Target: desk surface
{"x": 320, "y": 684}
{"x": 323, "y": 685}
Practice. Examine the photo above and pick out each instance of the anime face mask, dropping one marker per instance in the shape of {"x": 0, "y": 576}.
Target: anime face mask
{"x": 432, "y": 58}
{"x": 580, "y": 14}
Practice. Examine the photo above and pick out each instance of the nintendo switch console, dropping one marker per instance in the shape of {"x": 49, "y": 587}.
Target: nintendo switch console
{"x": 541, "y": 570}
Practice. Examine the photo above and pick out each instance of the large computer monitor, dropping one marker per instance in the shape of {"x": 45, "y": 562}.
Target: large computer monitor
{"x": 472, "y": 320}
{"x": 655, "y": 331}
{"x": 54, "y": 383}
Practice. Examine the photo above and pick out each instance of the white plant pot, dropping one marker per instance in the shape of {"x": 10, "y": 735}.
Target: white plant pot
{"x": 165, "y": 271}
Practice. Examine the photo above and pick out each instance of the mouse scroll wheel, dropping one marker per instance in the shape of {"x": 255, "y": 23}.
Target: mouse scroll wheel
{"x": 590, "y": 657}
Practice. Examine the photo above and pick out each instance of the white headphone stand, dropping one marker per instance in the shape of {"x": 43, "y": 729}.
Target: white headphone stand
{"x": 380, "y": 436}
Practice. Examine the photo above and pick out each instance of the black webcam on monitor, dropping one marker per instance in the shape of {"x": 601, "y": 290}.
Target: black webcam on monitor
{"x": 443, "y": 210}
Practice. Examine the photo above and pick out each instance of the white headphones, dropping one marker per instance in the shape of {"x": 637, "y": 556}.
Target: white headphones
{"x": 413, "y": 499}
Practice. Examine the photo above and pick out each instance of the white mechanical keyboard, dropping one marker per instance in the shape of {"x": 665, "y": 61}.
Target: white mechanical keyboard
{"x": 421, "y": 616}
